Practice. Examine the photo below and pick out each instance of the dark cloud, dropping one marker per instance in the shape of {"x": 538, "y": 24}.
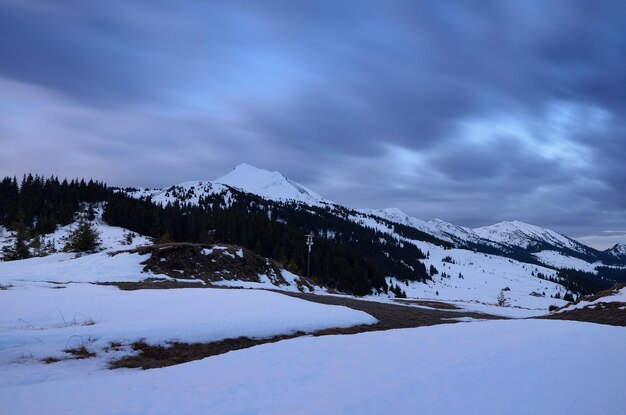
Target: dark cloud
{"x": 469, "y": 111}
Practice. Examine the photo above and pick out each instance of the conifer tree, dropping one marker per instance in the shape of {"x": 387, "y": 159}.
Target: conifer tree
{"x": 83, "y": 239}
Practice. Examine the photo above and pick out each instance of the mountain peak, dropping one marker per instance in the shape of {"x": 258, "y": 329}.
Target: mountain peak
{"x": 268, "y": 184}
{"x": 618, "y": 249}
{"x": 523, "y": 235}
{"x": 249, "y": 168}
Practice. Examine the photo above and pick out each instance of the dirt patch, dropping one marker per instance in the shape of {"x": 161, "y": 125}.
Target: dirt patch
{"x": 211, "y": 263}
{"x": 432, "y": 304}
{"x": 600, "y": 294}
{"x": 389, "y": 316}
{"x": 392, "y": 316}
{"x": 151, "y": 357}
{"x": 613, "y": 314}
{"x": 155, "y": 284}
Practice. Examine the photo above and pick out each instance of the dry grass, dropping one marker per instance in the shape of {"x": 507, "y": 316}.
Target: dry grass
{"x": 80, "y": 352}
{"x": 389, "y": 316}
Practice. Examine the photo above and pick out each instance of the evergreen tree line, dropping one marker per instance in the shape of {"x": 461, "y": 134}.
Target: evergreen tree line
{"x": 38, "y": 205}
{"x": 346, "y": 256}
{"x": 578, "y": 282}
{"x": 612, "y": 274}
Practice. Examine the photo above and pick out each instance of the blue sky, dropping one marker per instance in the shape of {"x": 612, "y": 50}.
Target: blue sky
{"x": 473, "y": 112}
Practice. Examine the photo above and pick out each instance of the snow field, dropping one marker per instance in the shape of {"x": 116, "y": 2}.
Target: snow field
{"x": 513, "y": 367}
{"x": 484, "y": 276}
{"x": 38, "y": 322}
{"x": 65, "y": 267}
{"x": 556, "y": 259}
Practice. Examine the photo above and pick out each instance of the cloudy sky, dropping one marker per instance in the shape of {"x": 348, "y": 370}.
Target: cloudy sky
{"x": 472, "y": 112}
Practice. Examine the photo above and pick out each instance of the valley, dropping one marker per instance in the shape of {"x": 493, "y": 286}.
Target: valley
{"x": 199, "y": 291}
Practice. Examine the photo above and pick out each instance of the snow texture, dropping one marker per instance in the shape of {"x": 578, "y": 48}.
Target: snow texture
{"x": 269, "y": 185}
{"x": 513, "y": 367}
{"x": 524, "y": 235}
{"x": 618, "y": 250}
{"x": 62, "y": 268}
{"x": 558, "y": 260}
{"x": 37, "y": 322}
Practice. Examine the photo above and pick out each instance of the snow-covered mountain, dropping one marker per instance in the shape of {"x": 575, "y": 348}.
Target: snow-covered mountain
{"x": 395, "y": 215}
{"x": 269, "y": 185}
{"x": 618, "y": 250}
{"x": 438, "y": 228}
{"x": 547, "y": 246}
{"x": 458, "y": 233}
{"x": 245, "y": 178}
{"x": 525, "y": 236}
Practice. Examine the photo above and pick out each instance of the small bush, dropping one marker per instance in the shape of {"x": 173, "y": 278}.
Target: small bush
{"x": 116, "y": 345}
{"x": 80, "y": 352}
{"x": 502, "y": 301}
{"x": 139, "y": 345}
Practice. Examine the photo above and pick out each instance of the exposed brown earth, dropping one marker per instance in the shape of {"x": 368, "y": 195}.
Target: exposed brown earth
{"x": 611, "y": 313}
{"x": 389, "y": 316}
{"x": 433, "y": 304}
{"x": 191, "y": 262}
{"x": 155, "y": 284}
{"x": 604, "y": 313}
{"x": 210, "y": 263}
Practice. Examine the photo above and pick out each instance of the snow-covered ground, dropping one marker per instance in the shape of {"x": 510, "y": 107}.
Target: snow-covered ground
{"x": 557, "y": 259}
{"x": 269, "y": 185}
{"x": 111, "y": 237}
{"x": 65, "y": 267}
{"x": 522, "y": 234}
{"x": 292, "y": 285}
{"x": 473, "y": 277}
{"x": 244, "y": 177}
{"x": 483, "y": 276}
{"x": 38, "y": 322}
{"x": 512, "y": 367}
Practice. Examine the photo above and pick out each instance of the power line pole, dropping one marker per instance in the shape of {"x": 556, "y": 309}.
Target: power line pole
{"x": 309, "y": 243}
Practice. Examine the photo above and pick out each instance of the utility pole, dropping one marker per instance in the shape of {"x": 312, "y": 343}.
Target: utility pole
{"x": 309, "y": 243}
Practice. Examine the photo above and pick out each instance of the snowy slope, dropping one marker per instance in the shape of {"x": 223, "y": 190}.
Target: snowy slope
{"x": 188, "y": 192}
{"x": 472, "y": 277}
{"x": 559, "y": 260}
{"x": 397, "y": 216}
{"x": 483, "y": 277}
{"x": 436, "y": 227}
{"x": 458, "y": 233}
{"x": 513, "y": 367}
{"x": 618, "y": 250}
{"x": 269, "y": 185}
{"x": 523, "y": 235}
{"x": 246, "y": 178}
{"x": 504, "y": 236}
{"x": 39, "y": 322}
{"x": 65, "y": 267}
{"x": 111, "y": 237}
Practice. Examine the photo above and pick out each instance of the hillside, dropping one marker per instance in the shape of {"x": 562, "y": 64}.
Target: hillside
{"x": 362, "y": 252}
{"x": 605, "y": 307}
{"x": 212, "y": 276}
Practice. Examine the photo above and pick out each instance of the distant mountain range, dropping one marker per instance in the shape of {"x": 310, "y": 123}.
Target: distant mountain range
{"x": 357, "y": 251}
{"x": 276, "y": 187}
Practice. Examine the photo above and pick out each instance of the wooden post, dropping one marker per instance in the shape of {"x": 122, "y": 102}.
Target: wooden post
{"x": 309, "y": 243}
